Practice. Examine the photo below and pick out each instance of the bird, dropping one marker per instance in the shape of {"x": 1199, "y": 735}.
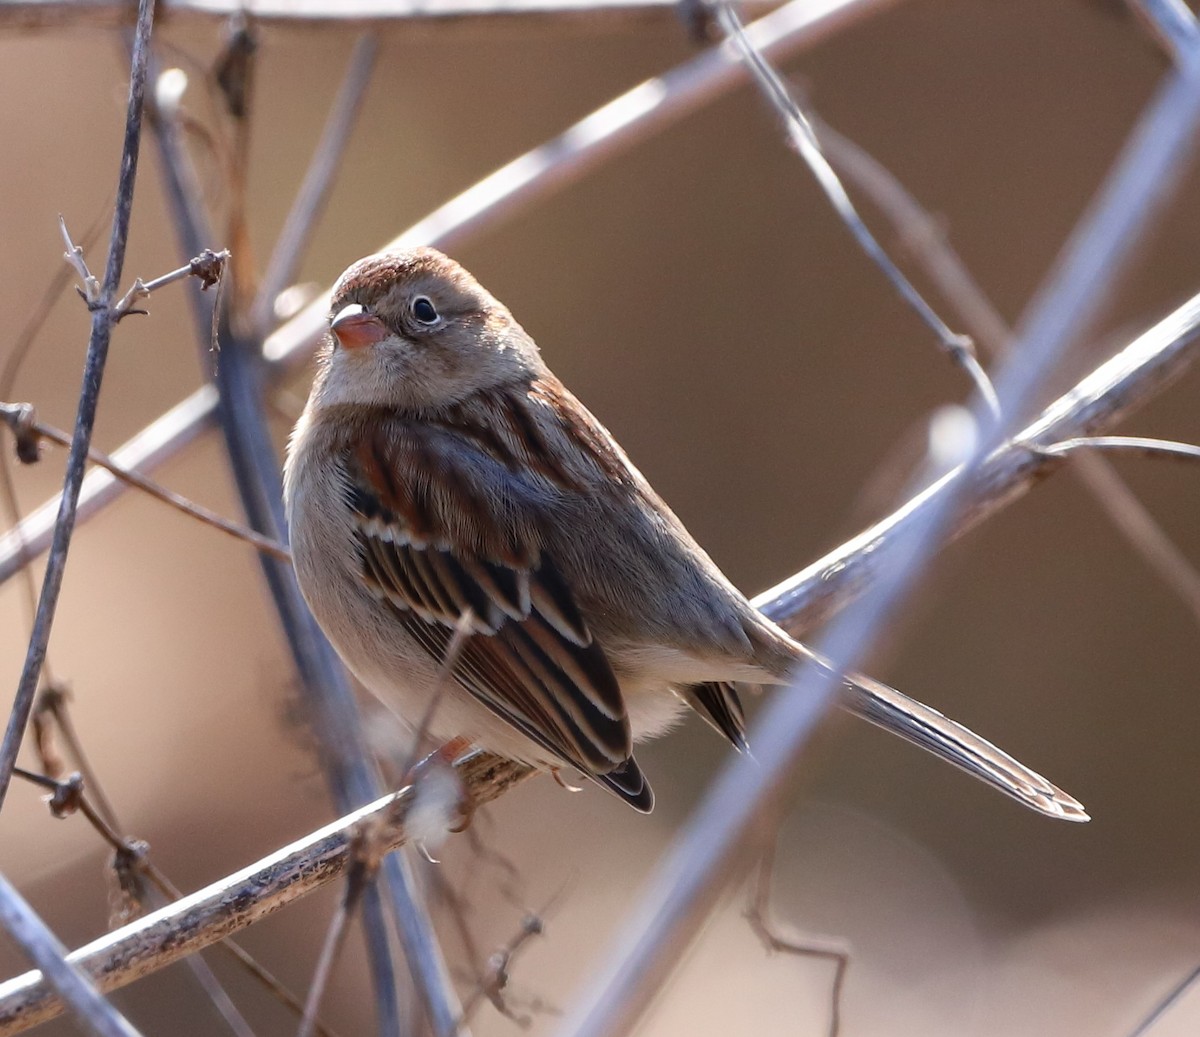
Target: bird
{"x": 442, "y": 483}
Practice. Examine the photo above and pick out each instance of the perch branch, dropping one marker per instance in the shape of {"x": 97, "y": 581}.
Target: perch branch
{"x": 607, "y": 133}
{"x": 1132, "y": 377}
{"x": 89, "y": 398}
{"x": 156, "y": 940}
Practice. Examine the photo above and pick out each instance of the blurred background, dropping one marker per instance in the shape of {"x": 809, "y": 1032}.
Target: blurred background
{"x": 698, "y": 294}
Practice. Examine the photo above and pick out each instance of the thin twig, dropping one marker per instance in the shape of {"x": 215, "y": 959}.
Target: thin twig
{"x": 91, "y": 1010}
{"x": 52, "y": 702}
{"x": 310, "y": 200}
{"x": 758, "y": 914}
{"x": 93, "y": 373}
{"x": 1126, "y": 444}
{"x": 360, "y": 874}
{"x": 20, "y": 419}
{"x": 958, "y": 347}
{"x": 494, "y": 983}
{"x": 601, "y": 137}
{"x": 159, "y": 441}
{"x": 207, "y": 267}
{"x": 748, "y": 792}
{"x": 1165, "y": 1005}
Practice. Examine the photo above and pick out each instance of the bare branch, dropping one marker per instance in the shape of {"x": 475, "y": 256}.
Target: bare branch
{"x": 152, "y": 942}
{"x": 314, "y": 191}
{"x": 93, "y": 373}
{"x": 1126, "y": 444}
{"x": 1143, "y": 368}
{"x": 349, "y": 771}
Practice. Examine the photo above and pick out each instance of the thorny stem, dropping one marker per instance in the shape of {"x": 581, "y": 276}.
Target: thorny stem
{"x": 207, "y": 266}
{"x": 93, "y": 373}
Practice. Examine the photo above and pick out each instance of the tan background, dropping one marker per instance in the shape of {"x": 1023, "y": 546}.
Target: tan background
{"x": 700, "y": 297}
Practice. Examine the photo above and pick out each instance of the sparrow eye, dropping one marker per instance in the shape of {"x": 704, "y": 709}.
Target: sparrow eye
{"x": 424, "y": 310}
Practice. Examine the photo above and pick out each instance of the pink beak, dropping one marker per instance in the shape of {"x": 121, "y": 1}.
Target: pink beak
{"x": 355, "y": 327}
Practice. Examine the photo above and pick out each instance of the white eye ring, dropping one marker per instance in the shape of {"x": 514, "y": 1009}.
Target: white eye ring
{"x": 424, "y": 311}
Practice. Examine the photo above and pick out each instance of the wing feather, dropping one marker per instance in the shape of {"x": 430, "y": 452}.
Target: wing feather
{"x": 431, "y": 547}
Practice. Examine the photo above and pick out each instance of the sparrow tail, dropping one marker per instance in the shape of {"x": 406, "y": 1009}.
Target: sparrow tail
{"x": 926, "y": 727}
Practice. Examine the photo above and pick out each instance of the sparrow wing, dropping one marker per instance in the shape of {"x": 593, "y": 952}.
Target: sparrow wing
{"x": 442, "y": 528}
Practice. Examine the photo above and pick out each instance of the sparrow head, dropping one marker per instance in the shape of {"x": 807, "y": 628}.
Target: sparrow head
{"x": 413, "y": 329}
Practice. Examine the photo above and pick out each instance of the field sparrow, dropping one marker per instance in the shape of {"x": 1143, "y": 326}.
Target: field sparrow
{"x": 440, "y": 467}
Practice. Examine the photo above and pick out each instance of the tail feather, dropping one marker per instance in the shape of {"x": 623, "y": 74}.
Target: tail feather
{"x": 718, "y": 703}
{"x": 629, "y": 783}
{"x": 929, "y": 729}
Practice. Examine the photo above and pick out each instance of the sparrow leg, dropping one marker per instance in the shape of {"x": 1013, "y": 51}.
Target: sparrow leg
{"x": 556, "y": 774}
{"x": 445, "y": 757}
